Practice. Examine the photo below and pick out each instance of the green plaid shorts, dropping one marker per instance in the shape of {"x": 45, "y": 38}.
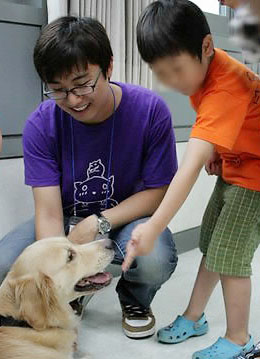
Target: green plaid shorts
{"x": 230, "y": 231}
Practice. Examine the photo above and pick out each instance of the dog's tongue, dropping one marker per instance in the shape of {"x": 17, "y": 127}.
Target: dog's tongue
{"x": 99, "y": 278}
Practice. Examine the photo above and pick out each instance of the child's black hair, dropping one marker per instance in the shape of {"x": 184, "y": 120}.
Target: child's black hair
{"x": 169, "y": 28}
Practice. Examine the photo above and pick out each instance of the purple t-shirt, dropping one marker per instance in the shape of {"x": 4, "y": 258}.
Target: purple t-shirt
{"x": 60, "y": 151}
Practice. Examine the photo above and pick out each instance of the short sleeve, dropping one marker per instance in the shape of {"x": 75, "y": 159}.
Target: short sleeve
{"x": 220, "y": 118}
{"x": 40, "y": 160}
{"x": 160, "y": 162}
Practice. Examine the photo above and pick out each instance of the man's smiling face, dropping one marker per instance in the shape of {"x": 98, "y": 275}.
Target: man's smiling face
{"x": 91, "y": 108}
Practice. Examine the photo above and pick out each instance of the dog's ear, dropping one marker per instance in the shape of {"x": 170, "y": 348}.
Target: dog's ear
{"x": 35, "y": 300}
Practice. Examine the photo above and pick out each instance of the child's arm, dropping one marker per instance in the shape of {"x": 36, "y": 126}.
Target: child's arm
{"x": 198, "y": 152}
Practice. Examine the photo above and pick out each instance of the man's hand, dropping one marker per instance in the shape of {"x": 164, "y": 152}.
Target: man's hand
{"x": 85, "y": 231}
{"x": 141, "y": 243}
{"x": 214, "y": 165}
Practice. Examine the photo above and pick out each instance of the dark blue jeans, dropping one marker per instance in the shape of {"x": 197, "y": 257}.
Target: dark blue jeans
{"x": 137, "y": 286}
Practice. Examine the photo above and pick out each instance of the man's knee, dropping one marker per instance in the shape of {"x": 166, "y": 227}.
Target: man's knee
{"x": 159, "y": 266}
{"x": 155, "y": 272}
{"x": 168, "y": 253}
{"x": 4, "y": 269}
{"x": 6, "y": 262}
{"x": 12, "y": 245}
{"x": 24, "y": 231}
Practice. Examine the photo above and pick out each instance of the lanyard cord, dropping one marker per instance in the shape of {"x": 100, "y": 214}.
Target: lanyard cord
{"x": 111, "y": 145}
{"x": 73, "y": 164}
{"x": 110, "y": 153}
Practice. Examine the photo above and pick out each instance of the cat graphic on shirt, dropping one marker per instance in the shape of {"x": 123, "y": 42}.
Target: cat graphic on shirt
{"x": 93, "y": 193}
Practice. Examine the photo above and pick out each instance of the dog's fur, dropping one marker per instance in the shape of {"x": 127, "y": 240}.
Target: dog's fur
{"x": 38, "y": 290}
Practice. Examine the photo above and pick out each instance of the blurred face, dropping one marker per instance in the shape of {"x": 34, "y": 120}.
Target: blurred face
{"x": 92, "y": 108}
{"x": 184, "y": 73}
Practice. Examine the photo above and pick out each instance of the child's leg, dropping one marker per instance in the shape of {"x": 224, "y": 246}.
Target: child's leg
{"x": 203, "y": 287}
{"x": 206, "y": 280}
{"x": 228, "y": 241}
{"x": 204, "y": 284}
{"x": 230, "y": 251}
{"x": 237, "y": 294}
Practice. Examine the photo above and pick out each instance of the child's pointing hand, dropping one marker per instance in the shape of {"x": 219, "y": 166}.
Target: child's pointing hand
{"x": 140, "y": 244}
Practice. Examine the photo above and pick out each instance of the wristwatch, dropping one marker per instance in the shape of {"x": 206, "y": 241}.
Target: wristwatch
{"x": 104, "y": 225}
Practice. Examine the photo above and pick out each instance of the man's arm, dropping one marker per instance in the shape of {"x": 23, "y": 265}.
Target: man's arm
{"x": 197, "y": 154}
{"x": 141, "y": 204}
{"x": 48, "y": 212}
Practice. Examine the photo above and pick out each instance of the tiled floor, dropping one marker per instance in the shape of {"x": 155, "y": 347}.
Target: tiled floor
{"x": 101, "y": 333}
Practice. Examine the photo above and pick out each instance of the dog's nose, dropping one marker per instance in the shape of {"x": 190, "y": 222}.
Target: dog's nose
{"x": 108, "y": 244}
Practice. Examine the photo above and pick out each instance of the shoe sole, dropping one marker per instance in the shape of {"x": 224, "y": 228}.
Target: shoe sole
{"x": 139, "y": 335}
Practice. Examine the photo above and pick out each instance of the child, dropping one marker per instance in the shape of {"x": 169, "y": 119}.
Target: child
{"x": 174, "y": 39}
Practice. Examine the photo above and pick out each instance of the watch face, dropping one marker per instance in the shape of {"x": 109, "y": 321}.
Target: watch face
{"x": 104, "y": 226}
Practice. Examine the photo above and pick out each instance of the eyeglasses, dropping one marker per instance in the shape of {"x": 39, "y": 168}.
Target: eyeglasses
{"x": 77, "y": 91}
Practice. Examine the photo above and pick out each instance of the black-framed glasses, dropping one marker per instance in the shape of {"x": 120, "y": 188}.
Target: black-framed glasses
{"x": 77, "y": 91}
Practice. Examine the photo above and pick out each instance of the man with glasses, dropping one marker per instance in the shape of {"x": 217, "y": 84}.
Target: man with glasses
{"x": 99, "y": 157}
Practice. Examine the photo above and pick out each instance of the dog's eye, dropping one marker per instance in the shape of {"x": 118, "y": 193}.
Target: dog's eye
{"x": 71, "y": 255}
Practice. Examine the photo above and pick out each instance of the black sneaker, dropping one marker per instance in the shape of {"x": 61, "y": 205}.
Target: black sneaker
{"x": 137, "y": 322}
{"x": 254, "y": 353}
{"x": 77, "y": 306}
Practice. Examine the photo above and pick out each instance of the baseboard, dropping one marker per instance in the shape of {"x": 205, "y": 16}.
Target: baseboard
{"x": 187, "y": 240}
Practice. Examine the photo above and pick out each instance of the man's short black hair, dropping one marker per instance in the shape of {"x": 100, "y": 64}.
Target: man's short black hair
{"x": 68, "y": 42}
{"x": 170, "y": 27}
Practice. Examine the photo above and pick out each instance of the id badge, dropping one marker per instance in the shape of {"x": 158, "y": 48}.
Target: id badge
{"x": 73, "y": 221}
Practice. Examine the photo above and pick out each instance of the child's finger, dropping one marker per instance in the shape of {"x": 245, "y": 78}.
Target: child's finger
{"x": 129, "y": 258}
{"x": 207, "y": 168}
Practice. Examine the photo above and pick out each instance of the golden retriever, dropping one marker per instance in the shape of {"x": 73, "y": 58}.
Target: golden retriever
{"x": 45, "y": 278}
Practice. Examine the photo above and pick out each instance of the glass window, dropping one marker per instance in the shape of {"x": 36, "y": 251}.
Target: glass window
{"x": 211, "y": 6}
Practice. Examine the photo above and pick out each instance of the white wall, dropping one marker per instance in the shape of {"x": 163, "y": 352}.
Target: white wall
{"x": 16, "y": 202}
{"x": 211, "y": 6}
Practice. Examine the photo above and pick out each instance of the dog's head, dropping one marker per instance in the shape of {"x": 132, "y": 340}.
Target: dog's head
{"x": 53, "y": 272}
